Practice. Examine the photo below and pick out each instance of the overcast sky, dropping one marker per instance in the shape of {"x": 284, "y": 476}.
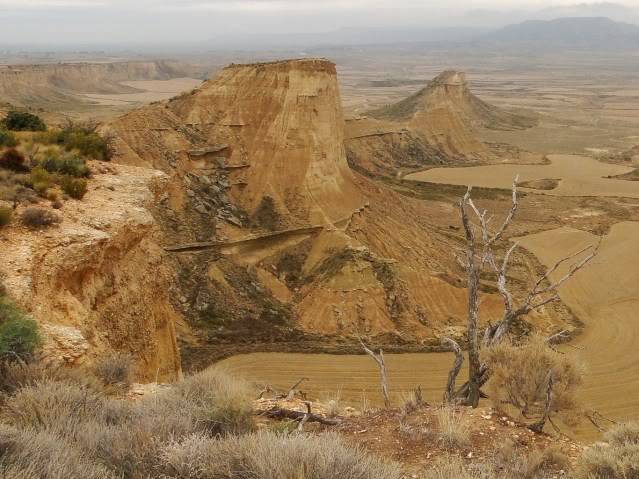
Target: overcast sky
{"x": 86, "y": 22}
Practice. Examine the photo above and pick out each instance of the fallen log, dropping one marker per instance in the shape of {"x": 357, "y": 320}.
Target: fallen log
{"x": 281, "y": 413}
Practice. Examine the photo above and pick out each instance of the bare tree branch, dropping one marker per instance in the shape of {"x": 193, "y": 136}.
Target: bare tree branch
{"x": 379, "y": 359}
{"x": 449, "y": 394}
{"x": 293, "y": 390}
{"x": 538, "y": 427}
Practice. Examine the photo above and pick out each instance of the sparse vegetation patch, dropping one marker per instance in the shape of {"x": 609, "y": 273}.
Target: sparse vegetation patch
{"x": 81, "y": 138}
{"x": 266, "y": 215}
{"x": 5, "y": 216}
{"x": 35, "y": 218}
{"x": 23, "y": 121}
{"x": 19, "y": 335}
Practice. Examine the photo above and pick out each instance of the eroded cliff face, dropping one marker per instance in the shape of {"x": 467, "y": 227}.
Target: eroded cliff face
{"x": 99, "y": 282}
{"x": 276, "y": 243}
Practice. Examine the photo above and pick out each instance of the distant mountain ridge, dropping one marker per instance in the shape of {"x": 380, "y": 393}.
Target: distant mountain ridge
{"x": 571, "y": 32}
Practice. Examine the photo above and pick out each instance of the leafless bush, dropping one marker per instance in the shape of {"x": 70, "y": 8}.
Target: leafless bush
{"x": 272, "y": 456}
{"x": 520, "y": 378}
{"x": 618, "y": 458}
{"x": 454, "y": 427}
{"x": 35, "y": 217}
{"x": 115, "y": 370}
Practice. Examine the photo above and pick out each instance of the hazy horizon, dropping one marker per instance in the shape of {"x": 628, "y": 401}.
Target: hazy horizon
{"x": 53, "y": 23}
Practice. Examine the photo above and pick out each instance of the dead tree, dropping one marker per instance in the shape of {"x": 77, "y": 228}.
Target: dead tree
{"x": 480, "y": 256}
{"x": 379, "y": 359}
{"x": 449, "y": 394}
{"x": 293, "y": 390}
{"x": 307, "y": 416}
{"x": 281, "y": 413}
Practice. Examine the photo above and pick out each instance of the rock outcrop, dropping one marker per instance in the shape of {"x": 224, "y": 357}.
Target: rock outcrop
{"x": 99, "y": 282}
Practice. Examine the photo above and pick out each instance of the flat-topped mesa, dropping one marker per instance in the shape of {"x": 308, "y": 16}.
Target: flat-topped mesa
{"x": 282, "y": 120}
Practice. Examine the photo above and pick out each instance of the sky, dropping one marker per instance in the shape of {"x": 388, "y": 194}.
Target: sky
{"x": 92, "y": 22}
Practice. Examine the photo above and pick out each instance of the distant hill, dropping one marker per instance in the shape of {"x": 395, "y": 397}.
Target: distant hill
{"x": 446, "y": 116}
{"x": 574, "y": 32}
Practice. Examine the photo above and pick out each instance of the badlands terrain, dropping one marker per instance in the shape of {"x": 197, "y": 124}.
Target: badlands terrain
{"x": 284, "y": 209}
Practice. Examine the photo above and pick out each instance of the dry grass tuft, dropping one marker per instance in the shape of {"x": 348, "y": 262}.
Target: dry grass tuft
{"x": 29, "y": 454}
{"x": 333, "y": 404}
{"x": 125, "y": 438}
{"x": 220, "y": 403}
{"x": 115, "y": 370}
{"x": 509, "y": 463}
{"x": 453, "y": 427}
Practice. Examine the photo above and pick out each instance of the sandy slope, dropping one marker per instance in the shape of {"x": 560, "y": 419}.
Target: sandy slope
{"x": 605, "y": 296}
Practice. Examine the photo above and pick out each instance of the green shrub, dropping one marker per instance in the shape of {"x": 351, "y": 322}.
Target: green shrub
{"x": 7, "y": 139}
{"x": 13, "y": 160}
{"x": 88, "y": 143}
{"x": 39, "y": 217}
{"x": 5, "y": 216}
{"x": 23, "y": 121}
{"x": 39, "y": 175}
{"x": 19, "y": 335}
{"x": 70, "y": 165}
{"x": 82, "y": 139}
{"x": 41, "y": 188}
{"x": 76, "y": 188}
